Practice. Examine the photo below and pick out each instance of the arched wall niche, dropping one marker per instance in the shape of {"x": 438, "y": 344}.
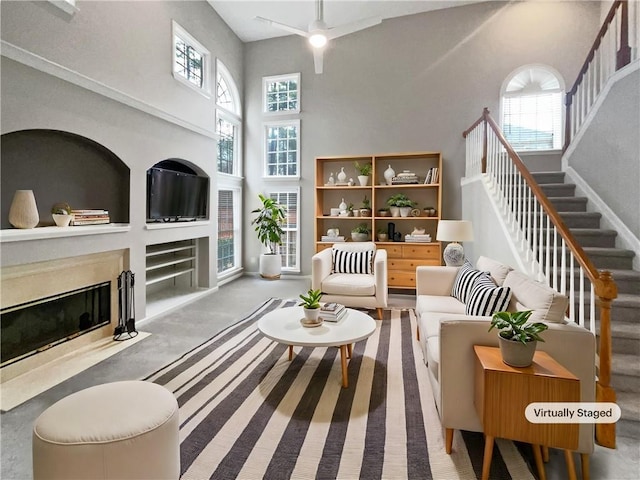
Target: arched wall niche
{"x": 62, "y": 167}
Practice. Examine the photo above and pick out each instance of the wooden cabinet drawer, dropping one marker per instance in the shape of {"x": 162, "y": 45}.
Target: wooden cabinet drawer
{"x": 393, "y": 251}
{"x": 421, "y": 251}
{"x": 408, "y": 265}
{"x": 397, "y": 278}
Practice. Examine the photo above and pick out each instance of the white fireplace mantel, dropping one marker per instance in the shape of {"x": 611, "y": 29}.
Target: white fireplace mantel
{"x": 21, "y": 235}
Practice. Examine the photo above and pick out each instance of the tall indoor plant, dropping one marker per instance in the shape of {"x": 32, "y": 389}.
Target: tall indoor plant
{"x": 268, "y": 225}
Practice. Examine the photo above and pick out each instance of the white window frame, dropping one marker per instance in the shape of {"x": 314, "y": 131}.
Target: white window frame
{"x": 178, "y": 31}
{"x": 226, "y": 182}
{"x": 561, "y": 90}
{"x": 287, "y": 190}
{"x": 265, "y": 143}
{"x": 275, "y": 79}
{"x": 233, "y": 116}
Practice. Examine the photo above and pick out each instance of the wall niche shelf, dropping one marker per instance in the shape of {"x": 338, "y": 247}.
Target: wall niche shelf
{"x": 39, "y": 233}
{"x": 166, "y": 225}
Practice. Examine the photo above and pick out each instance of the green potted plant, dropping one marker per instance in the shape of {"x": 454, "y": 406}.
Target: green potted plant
{"x": 360, "y": 233}
{"x": 365, "y": 210}
{"x": 382, "y": 235}
{"x": 268, "y": 225}
{"x": 518, "y": 338}
{"x": 400, "y": 201}
{"x": 311, "y": 307}
{"x": 364, "y": 171}
{"x": 61, "y": 213}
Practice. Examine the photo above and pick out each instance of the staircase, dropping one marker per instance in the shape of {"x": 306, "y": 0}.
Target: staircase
{"x": 599, "y": 245}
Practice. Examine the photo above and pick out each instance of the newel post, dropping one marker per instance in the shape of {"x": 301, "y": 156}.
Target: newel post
{"x": 623, "y": 56}
{"x": 606, "y": 292}
{"x": 568, "y": 101}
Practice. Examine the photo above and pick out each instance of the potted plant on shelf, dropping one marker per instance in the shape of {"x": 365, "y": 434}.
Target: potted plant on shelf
{"x": 360, "y": 233}
{"x": 268, "y": 225}
{"x": 365, "y": 211}
{"x": 518, "y": 339}
{"x": 382, "y": 235}
{"x": 383, "y": 212}
{"x": 364, "y": 171}
{"x": 400, "y": 205}
{"x": 311, "y": 307}
{"x": 429, "y": 211}
{"x": 61, "y": 213}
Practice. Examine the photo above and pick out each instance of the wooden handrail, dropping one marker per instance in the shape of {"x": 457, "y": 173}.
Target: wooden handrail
{"x": 603, "y": 284}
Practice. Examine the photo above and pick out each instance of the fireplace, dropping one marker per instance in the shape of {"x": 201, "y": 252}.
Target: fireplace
{"x": 38, "y": 325}
{"x": 53, "y": 308}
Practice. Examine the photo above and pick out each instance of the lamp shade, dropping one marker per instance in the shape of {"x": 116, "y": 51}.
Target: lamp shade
{"x": 454, "y": 231}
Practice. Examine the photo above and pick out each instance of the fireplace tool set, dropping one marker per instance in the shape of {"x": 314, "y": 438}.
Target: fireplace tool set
{"x": 126, "y": 328}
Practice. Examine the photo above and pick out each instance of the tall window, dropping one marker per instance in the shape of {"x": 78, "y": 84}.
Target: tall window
{"x": 190, "y": 60}
{"x": 228, "y": 128}
{"x": 281, "y": 93}
{"x": 282, "y": 147}
{"x": 289, "y": 248}
{"x": 532, "y": 106}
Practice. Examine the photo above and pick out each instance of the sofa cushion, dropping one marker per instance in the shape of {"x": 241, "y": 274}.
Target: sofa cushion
{"x": 486, "y": 298}
{"x": 352, "y": 262}
{"x": 430, "y": 321}
{"x": 352, "y": 284}
{"x": 497, "y": 270}
{"x": 528, "y": 294}
{"x": 464, "y": 281}
{"x": 438, "y": 303}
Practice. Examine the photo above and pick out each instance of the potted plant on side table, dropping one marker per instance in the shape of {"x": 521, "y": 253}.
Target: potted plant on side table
{"x": 518, "y": 339}
{"x": 311, "y": 307}
{"x": 268, "y": 226}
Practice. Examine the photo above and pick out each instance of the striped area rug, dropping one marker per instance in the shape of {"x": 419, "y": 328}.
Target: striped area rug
{"x": 247, "y": 412}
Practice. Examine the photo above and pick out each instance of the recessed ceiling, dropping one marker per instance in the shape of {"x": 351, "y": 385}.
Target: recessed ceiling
{"x": 240, "y": 15}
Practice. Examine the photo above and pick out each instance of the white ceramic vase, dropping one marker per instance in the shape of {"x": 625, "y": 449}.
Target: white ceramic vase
{"x": 23, "y": 212}
{"x": 389, "y": 173}
{"x": 61, "y": 219}
{"x": 342, "y": 177}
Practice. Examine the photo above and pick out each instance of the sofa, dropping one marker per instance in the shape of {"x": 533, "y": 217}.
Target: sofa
{"x": 447, "y": 330}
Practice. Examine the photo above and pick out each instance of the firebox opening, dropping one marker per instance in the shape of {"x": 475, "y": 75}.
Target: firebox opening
{"x": 35, "y": 326}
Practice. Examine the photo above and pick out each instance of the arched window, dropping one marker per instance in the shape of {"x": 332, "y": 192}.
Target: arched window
{"x": 228, "y": 128}
{"x": 532, "y": 106}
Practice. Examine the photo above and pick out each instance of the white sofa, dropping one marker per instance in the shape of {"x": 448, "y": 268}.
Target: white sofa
{"x": 447, "y": 336}
{"x": 360, "y": 290}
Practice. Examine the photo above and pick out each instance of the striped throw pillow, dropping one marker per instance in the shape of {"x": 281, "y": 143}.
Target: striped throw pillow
{"x": 487, "y": 298}
{"x": 353, "y": 262}
{"x": 464, "y": 281}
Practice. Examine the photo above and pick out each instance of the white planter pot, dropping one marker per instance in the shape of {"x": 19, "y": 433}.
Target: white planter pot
{"x": 61, "y": 219}
{"x": 363, "y": 179}
{"x": 359, "y": 237}
{"x": 270, "y": 265}
{"x": 405, "y": 211}
{"x": 395, "y": 211}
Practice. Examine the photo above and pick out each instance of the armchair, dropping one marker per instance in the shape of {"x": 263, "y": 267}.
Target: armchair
{"x": 360, "y": 290}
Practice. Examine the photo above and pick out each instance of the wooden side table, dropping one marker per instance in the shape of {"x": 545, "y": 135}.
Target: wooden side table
{"x": 503, "y": 392}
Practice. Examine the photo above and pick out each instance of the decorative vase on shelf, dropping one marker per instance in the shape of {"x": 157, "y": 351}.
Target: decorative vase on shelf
{"x": 23, "y": 212}
{"x": 62, "y": 220}
{"x": 389, "y": 173}
{"x": 342, "y": 177}
{"x": 342, "y": 206}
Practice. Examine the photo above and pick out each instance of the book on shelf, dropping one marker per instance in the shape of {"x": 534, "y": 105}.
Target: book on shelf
{"x": 432, "y": 176}
{"x": 328, "y": 238}
{"x": 99, "y": 221}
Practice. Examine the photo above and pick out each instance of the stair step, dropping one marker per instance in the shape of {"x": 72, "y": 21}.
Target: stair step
{"x": 558, "y": 189}
{"x": 629, "y": 404}
{"x": 569, "y": 204}
{"x": 627, "y": 281}
{"x": 602, "y": 258}
{"x": 625, "y": 373}
{"x": 588, "y": 237}
{"x": 548, "y": 177}
{"x": 625, "y": 336}
{"x": 625, "y": 309}
{"x": 581, "y": 219}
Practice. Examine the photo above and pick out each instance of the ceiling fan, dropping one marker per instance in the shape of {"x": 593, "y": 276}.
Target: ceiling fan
{"x": 319, "y": 33}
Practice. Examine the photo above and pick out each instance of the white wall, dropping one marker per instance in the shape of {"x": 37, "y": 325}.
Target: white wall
{"x": 127, "y": 47}
{"x": 412, "y": 83}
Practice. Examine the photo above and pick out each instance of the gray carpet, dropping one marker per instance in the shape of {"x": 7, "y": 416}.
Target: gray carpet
{"x": 246, "y": 411}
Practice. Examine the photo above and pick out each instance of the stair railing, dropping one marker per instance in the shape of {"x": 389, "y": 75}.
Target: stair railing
{"x": 552, "y": 253}
{"x": 615, "y": 46}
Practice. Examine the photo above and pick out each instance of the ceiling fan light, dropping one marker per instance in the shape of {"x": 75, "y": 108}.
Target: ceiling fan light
{"x": 318, "y": 40}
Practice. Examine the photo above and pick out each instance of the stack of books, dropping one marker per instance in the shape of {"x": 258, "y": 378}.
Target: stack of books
{"x": 332, "y": 312}
{"x": 90, "y": 217}
{"x": 432, "y": 176}
{"x": 329, "y": 238}
{"x": 424, "y": 238}
{"x": 404, "y": 178}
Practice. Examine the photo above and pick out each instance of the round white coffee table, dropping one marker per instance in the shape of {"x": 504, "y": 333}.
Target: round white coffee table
{"x": 283, "y": 326}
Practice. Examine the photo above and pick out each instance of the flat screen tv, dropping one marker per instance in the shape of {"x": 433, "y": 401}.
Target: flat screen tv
{"x": 174, "y": 196}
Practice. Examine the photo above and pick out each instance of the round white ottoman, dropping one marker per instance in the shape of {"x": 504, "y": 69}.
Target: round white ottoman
{"x": 121, "y": 430}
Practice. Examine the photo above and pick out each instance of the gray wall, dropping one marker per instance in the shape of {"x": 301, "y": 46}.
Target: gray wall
{"x": 412, "y": 83}
{"x": 127, "y": 47}
{"x": 608, "y": 155}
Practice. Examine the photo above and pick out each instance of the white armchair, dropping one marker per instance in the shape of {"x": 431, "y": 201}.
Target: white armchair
{"x": 360, "y": 290}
